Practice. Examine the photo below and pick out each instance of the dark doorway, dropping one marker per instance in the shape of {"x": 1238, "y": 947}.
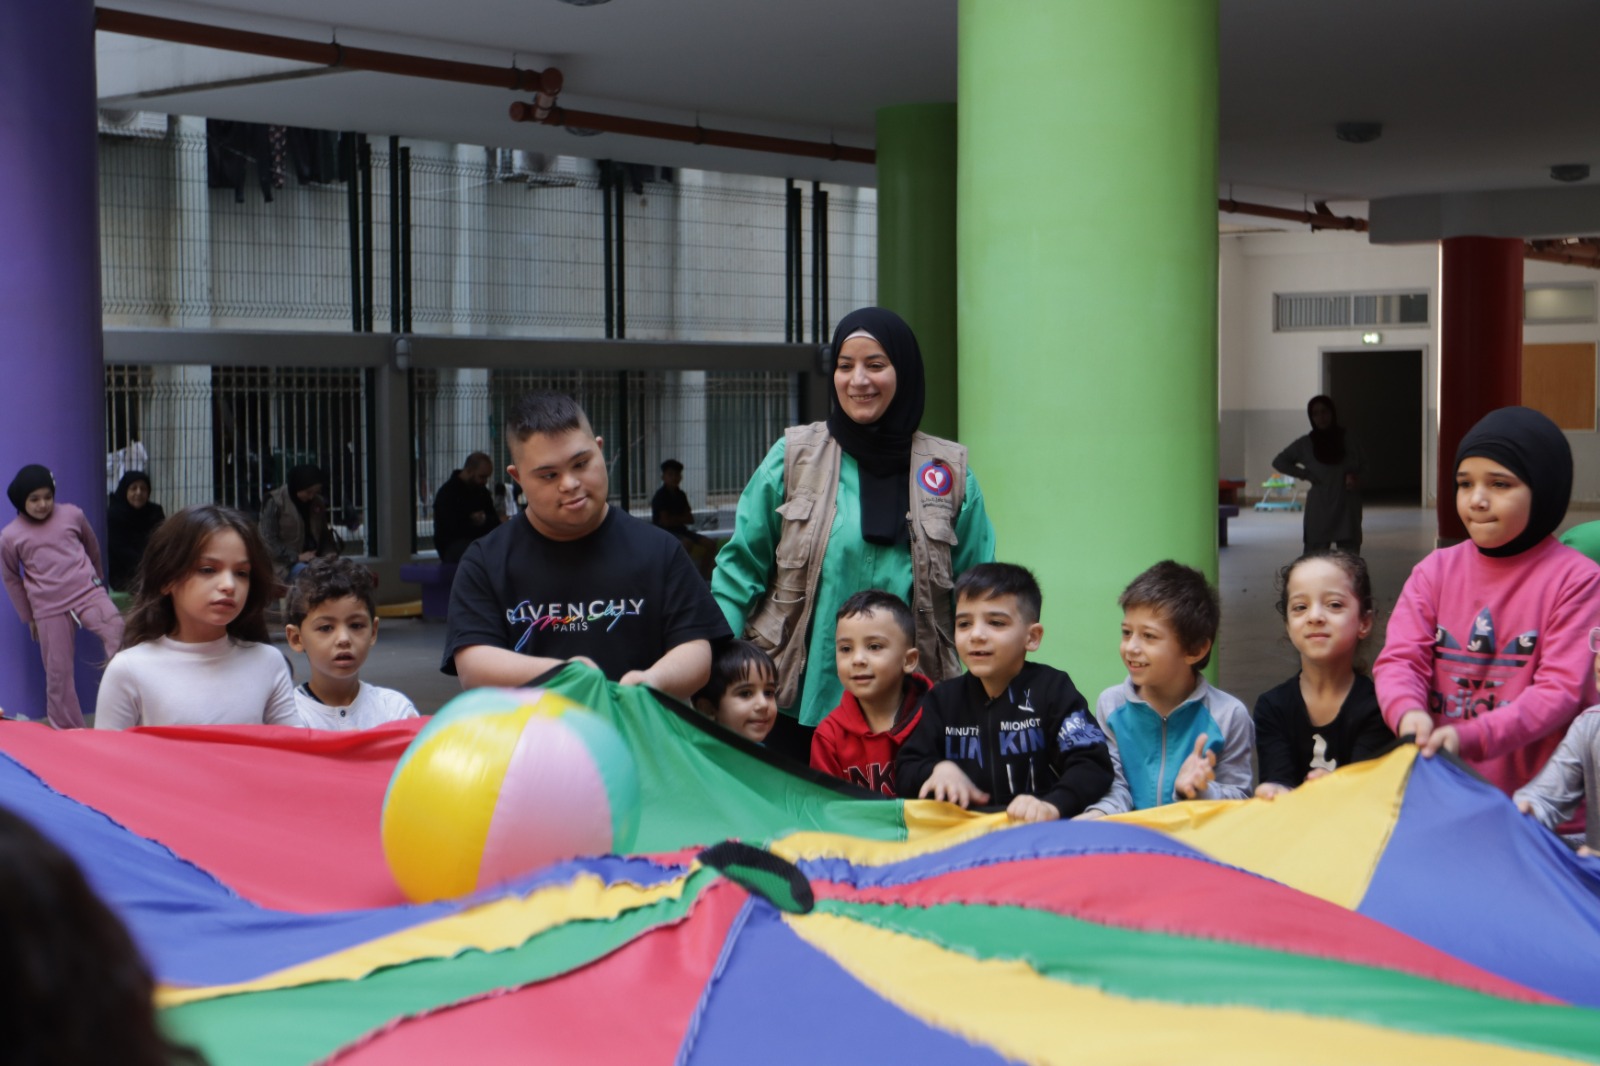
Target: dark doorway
{"x": 1379, "y": 396}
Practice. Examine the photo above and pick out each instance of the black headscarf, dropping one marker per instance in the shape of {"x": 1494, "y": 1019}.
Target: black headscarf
{"x": 1327, "y": 445}
{"x": 1533, "y": 448}
{"x": 128, "y": 529}
{"x": 29, "y": 479}
{"x": 124, "y": 515}
{"x": 882, "y": 450}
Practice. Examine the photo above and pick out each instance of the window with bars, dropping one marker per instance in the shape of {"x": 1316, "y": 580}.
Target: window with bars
{"x": 230, "y": 434}
{"x": 719, "y": 424}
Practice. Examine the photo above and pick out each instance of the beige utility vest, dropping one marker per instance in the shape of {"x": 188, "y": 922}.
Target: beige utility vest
{"x": 781, "y": 621}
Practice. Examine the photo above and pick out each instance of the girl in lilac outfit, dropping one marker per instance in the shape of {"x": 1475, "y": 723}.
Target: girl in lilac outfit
{"x": 53, "y": 574}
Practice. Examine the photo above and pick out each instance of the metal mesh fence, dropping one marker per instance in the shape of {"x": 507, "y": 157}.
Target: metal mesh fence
{"x": 229, "y": 434}
{"x": 176, "y": 252}
{"x": 501, "y": 244}
{"x": 719, "y": 424}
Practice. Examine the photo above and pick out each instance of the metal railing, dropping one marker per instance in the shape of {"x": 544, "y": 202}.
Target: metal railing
{"x": 495, "y": 248}
{"x": 230, "y": 434}
{"x": 717, "y": 423}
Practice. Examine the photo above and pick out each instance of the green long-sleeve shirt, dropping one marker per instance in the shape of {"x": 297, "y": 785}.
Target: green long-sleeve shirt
{"x": 851, "y": 565}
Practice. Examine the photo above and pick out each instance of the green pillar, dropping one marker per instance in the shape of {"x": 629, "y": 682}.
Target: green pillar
{"x": 1087, "y": 222}
{"x": 916, "y": 145}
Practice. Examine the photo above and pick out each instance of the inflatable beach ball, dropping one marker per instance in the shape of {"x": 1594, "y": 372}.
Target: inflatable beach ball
{"x": 501, "y": 782}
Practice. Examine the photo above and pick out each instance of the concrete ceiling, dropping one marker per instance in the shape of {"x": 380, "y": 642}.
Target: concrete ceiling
{"x": 1473, "y": 94}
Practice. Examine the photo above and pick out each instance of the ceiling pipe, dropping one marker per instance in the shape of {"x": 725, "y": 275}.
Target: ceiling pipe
{"x": 1321, "y": 218}
{"x": 1563, "y": 257}
{"x": 1583, "y": 247}
{"x": 1582, "y": 251}
{"x": 674, "y": 131}
{"x": 546, "y": 83}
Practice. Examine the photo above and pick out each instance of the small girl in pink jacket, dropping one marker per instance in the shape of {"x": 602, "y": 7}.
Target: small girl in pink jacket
{"x": 1487, "y": 652}
{"x": 52, "y": 571}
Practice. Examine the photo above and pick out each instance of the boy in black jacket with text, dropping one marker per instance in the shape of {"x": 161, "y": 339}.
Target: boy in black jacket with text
{"x": 1007, "y": 732}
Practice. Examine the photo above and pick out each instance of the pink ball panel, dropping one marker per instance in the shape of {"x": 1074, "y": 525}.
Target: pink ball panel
{"x": 552, "y": 805}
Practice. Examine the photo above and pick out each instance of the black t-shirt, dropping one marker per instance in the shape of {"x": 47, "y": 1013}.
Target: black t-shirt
{"x": 668, "y": 501}
{"x": 624, "y": 595}
{"x": 1287, "y": 742}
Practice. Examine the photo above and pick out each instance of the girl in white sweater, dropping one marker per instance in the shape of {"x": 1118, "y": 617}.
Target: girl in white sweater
{"x": 195, "y": 651}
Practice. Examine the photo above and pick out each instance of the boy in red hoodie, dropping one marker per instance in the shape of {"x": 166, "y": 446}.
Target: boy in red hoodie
{"x": 875, "y": 652}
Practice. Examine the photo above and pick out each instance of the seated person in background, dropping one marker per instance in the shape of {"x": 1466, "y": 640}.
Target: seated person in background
{"x": 1326, "y": 716}
{"x": 669, "y": 507}
{"x": 1173, "y": 736}
{"x": 76, "y": 988}
{"x": 1568, "y": 779}
{"x": 333, "y": 620}
{"x": 130, "y": 519}
{"x": 294, "y": 522}
{"x": 1008, "y": 731}
{"x": 463, "y": 508}
{"x": 573, "y": 578}
{"x": 875, "y": 650}
{"x": 741, "y": 694}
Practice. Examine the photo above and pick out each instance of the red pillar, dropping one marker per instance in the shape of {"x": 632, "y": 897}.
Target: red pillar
{"x": 1480, "y": 341}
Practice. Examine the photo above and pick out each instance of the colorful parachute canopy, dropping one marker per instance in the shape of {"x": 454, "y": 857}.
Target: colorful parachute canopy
{"x": 1397, "y": 911}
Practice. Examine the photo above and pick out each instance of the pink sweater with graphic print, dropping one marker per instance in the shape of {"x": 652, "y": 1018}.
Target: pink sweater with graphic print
{"x": 1498, "y": 648}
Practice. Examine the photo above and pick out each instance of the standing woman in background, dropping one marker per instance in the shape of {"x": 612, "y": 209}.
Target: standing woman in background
{"x": 864, "y": 500}
{"x": 1330, "y": 459}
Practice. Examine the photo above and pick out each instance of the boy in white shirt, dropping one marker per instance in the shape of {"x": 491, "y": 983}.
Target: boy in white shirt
{"x": 333, "y": 620}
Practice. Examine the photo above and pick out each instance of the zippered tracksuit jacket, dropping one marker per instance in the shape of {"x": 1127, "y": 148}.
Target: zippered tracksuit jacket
{"x": 1147, "y": 750}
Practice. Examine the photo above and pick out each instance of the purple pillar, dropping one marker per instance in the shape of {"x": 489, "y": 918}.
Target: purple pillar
{"x": 52, "y": 403}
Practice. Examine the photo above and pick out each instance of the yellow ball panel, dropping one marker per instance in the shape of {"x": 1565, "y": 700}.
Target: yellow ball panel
{"x": 439, "y": 807}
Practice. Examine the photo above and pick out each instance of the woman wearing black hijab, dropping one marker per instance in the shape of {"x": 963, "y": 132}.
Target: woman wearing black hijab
{"x": 130, "y": 519}
{"x": 1330, "y": 459}
{"x": 861, "y": 501}
{"x": 294, "y": 522}
{"x": 1487, "y": 653}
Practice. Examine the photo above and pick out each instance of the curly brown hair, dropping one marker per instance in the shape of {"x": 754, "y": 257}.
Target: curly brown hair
{"x": 171, "y": 556}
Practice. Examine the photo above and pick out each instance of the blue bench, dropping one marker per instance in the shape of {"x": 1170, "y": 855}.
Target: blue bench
{"x": 1225, "y": 511}
{"x": 435, "y": 579}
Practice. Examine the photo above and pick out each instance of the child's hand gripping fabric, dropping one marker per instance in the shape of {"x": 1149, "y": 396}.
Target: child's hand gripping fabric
{"x": 949, "y": 783}
{"x": 1032, "y": 809}
{"x": 1430, "y": 738}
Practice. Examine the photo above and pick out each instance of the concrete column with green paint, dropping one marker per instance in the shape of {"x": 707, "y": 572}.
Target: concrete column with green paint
{"x": 916, "y": 145}
{"x": 1087, "y": 281}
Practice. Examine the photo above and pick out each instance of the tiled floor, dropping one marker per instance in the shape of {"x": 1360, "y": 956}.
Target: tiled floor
{"x": 1255, "y": 654}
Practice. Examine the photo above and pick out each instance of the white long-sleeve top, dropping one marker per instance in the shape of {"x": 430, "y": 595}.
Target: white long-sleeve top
{"x": 217, "y": 682}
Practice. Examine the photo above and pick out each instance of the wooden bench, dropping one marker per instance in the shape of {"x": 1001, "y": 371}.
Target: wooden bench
{"x": 435, "y": 579}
